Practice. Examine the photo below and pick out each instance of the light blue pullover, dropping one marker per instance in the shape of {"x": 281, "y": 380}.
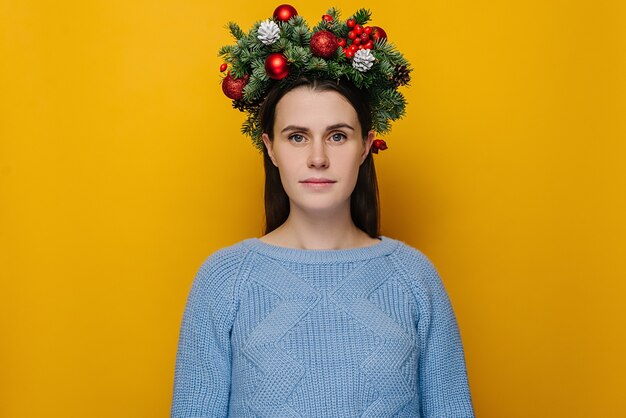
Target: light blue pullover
{"x": 271, "y": 331}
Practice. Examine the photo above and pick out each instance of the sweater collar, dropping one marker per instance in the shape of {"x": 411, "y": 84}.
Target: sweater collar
{"x": 300, "y": 255}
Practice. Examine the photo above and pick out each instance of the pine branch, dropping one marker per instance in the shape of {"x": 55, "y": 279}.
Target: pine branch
{"x": 258, "y": 69}
{"x": 297, "y": 33}
{"x": 297, "y": 20}
{"x": 356, "y": 76}
{"x": 298, "y": 55}
{"x": 362, "y": 16}
{"x": 242, "y": 43}
{"x": 280, "y": 45}
{"x": 317, "y": 64}
{"x": 335, "y": 69}
{"x": 385, "y": 68}
{"x": 245, "y": 56}
{"x": 253, "y": 89}
{"x": 235, "y": 30}
{"x": 247, "y": 127}
{"x": 384, "y": 50}
{"x": 392, "y": 102}
{"x": 302, "y": 35}
{"x": 225, "y": 50}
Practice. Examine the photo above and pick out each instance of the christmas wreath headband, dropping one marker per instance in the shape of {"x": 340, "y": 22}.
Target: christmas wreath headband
{"x": 282, "y": 48}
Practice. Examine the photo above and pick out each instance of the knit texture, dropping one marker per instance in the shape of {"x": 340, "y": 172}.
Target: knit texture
{"x": 271, "y": 331}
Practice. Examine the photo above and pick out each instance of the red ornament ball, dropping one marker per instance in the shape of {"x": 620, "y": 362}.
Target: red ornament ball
{"x": 378, "y": 33}
{"x": 324, "y": 44}
{"x": 284, "y": 12}
{"x": 223, "y": 67}
{"x": 233, "y": 87}
{"x": 276, "y": 66}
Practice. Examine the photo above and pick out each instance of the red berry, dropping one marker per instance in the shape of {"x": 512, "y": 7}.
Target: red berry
{"x": 353, "y": 48}
{"x": 349, "y": 53}
{"x": 361, "y": 46}
{"x": 379, "y": 144}
{"x": 350, "y": 22}
{"x": 341, "y": 42}
{"x": 327, "y": 18}
{"x": 223, "y": 67}
{"x": 351, "y": 34}
{"x": 369, "y": 45}
{"x": 367, "y": 29}
{"x": 364, "y": 37}
{"x": 358, "y": 29}
{"x": 357, "y": 41}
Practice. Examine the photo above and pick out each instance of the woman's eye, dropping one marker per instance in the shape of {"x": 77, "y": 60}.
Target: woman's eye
{"x": 338, "y": 137}
{"x": 297, "y": 138}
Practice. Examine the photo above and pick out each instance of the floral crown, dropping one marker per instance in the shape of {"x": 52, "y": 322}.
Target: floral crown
{"x": 282, "y": 48}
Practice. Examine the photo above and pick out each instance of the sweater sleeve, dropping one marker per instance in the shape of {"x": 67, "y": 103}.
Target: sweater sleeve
{"x": 442, "y": 375}
{"x": 203, "y": 359}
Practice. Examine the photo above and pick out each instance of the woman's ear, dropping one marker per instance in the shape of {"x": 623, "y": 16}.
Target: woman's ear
{"x": 368, "y": 144}
{"x": 270, "y": 147}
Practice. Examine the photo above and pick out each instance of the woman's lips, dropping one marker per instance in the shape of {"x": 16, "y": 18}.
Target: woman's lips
{"x": 318, "y": 183}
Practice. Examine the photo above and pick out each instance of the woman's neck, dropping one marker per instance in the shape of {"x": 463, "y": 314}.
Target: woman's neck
{"x": 319, "y": 232}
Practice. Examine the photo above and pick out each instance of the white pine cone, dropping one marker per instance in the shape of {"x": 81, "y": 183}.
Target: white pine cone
{"x": 268, "y": 32}
{"x": 363, "y": 60}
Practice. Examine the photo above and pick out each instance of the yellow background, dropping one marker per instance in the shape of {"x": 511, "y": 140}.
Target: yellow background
{"x": 122, "y": 168}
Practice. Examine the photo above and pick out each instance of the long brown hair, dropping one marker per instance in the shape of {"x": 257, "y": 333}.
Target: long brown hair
{"x": 364, "y": 205}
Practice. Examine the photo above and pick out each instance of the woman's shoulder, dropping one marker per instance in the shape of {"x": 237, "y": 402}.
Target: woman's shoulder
{"x": 414, "y": 262}
{"x": 409, "y": 253}
{"x": 223, "y": 262}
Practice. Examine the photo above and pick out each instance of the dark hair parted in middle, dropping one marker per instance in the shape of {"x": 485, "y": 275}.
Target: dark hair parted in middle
{"x": 364, "y": 206}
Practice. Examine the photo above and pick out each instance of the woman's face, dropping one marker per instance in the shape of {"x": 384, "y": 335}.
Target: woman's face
{"x": 318, "y": 148}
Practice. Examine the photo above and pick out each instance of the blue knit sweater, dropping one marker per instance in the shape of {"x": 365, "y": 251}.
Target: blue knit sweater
{"x": 271, "y": 331}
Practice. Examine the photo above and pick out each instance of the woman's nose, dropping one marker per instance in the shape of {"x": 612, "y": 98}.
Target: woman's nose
{"x": 317, "y": 156}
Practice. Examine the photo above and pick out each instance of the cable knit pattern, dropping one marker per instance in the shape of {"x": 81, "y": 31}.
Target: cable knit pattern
{"x": 270, "y": 331}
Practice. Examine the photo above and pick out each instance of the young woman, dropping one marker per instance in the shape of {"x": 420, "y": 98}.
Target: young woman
{"x": 322, "y": 316}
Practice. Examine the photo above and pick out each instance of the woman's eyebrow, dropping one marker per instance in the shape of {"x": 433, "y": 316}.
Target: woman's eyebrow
{"x": 339, "y": 125}
{"x": 304, "y": 129}
{"x": 294, "y": 128}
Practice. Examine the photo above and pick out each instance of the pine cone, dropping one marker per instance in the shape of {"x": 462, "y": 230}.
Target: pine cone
{"x": 247, "y": 106}
{"x": 268, "y": 32}
{"x": 401, "y": 75}
{"x": 363, "y": 60}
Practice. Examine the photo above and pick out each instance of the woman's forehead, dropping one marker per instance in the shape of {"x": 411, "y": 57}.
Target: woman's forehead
{"x": 304, "y": 106}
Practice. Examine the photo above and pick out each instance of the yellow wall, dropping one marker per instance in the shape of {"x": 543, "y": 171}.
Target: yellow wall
{"x": 122, "y": 168}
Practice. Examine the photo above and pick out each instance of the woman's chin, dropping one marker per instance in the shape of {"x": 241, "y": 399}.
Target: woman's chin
{"x": 318, "y": 204}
